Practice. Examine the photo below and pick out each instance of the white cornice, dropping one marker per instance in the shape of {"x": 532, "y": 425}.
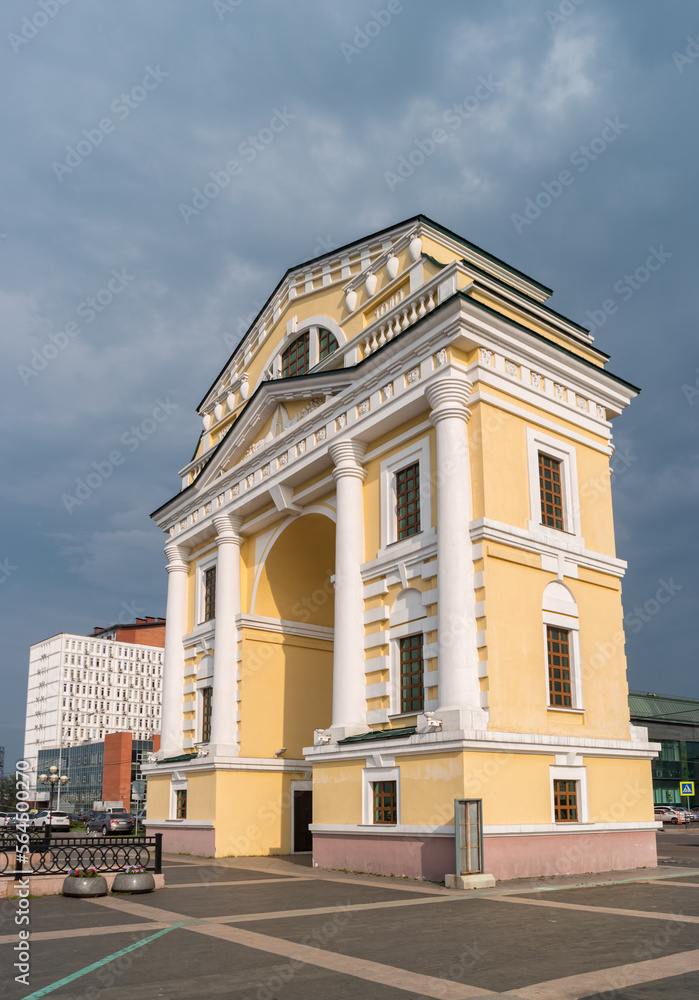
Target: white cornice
{"x": 496, "y": 742}
{"x": 286, "y": 627}
{"x": 486, "y": 529}
{"x": 357, "y": 407}
{"x": 282, "y": 298}
{"x": 277, "y": 764}
{"x": 447, "y": 830}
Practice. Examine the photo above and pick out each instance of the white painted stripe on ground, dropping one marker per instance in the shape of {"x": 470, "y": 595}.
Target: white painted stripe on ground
{"x": 240, "y": 881}
{"x": 693, "y": 885}
{"x": 617, "y": 911}
{"x": 619, "y": 977}
{"x": 358, "y": 968}
{"x": 152, "y": 925}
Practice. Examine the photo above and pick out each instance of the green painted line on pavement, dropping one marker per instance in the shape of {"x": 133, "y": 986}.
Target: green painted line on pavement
{"x": 96, "y": 965}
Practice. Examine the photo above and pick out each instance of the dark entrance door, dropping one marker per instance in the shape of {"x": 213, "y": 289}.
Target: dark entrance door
{"x": 303, "y": 817}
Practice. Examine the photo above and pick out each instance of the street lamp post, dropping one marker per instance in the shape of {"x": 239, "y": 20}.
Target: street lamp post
{"x": 53, "y": 780}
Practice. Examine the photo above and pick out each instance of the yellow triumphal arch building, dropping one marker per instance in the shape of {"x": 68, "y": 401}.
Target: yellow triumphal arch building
{"x": 393, "y": 581}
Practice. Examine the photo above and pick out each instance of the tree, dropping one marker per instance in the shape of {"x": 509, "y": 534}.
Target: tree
{"x": 8, "y": 793}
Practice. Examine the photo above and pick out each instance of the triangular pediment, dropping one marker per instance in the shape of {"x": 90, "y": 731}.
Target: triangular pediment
{"x": 276, "y": 412}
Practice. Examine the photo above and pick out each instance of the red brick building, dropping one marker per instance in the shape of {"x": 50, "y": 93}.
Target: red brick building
{"x": 145, "y": 631}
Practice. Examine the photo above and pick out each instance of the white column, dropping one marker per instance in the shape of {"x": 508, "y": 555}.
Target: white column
{"x": 349, "y": 697}
{"x": 224, "y": 704}
{"x": 459, "y": 689}
{"x": 173, "y": 655}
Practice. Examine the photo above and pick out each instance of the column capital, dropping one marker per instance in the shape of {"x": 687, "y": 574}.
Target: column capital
{"x": 177, "y": 561}
{"x": 448, "y": 397}
{"x": 347, "y": 456}
{"x": 228, "y": 528}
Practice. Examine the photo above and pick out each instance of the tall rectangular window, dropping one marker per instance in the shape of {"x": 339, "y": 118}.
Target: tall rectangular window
{"x": 385, "y": 801}
{"x": 295, "y": 357}
{"x": 558, "y": 653}
{"x": 206, "y": 695}
{"x": 412, "y": 689}
{"x": 550, "y": 492}
{"x": 565, "y": 801}
{"x": 209, "y": 594}
{"x": 408, "y": 501}
{"x": 181, "y": 803}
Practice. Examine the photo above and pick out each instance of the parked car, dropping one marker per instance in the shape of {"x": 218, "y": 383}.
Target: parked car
{"x": 58, "y": 820}
{"x": 87, "y": 815}
{"x": 667, "y": 814}
{"x": 106, "y": 823}
{"x": 4, "y": 819}
{"x": 15, "y": 819}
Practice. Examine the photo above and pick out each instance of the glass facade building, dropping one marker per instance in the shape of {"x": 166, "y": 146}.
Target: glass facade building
{"x": 84, "y": 766}
{"x": 674, "y": 723}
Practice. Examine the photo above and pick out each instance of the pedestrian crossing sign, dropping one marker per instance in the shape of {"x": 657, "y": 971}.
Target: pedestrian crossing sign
{"x": 686, "y": 788}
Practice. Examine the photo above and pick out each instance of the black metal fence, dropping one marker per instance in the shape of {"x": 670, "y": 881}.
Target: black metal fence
{"x": 44, "y": 856}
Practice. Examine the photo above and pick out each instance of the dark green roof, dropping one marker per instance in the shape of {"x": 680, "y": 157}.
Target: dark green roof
{"x": 182, "y": 756}
{"x": 380, "y": 734}
{"x": 663, "y": 707}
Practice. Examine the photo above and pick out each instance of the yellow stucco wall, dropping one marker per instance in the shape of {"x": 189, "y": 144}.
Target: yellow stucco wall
{"x": 294, "y": 582}
{"x": 337, "y": 792}
{"x": 286, "y": 688}
{"x": 429, "y": 784}
{"x": 158, "y": 801}
{"x": 620, "y": 791}
{"x": 253, "y": 813}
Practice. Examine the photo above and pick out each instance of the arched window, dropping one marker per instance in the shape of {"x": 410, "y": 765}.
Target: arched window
{"x": 327, "y": 343}
{"x": 407, "y": 639}
{"x": 561, "y": 636}
{"x": 295, "y": 357}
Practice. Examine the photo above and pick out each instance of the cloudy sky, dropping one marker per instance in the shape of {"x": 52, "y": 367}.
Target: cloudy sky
{"x": 117, "y": 298}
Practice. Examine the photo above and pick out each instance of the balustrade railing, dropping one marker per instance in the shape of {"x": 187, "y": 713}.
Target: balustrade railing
{"x": 403, "y": 317}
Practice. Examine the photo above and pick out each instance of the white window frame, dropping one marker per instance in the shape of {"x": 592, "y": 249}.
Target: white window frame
{"x": 177, "y": 784}
{"x": 579, "y": 775}
{"x": 311, "y": 326}
{"x": 538, "y": 443}
{"x": 572, "y": 625}
{"x": 418, "y": 452}
{"x": 207, "y": 562}
{"x": 369, "y": 776}
{"x": 399, "y": 632}
{"x": 205, "y": 682}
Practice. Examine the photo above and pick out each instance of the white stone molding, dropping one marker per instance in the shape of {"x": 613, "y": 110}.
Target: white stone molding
{"x": 173, "y": 655}
{"x": 224, "y": 736}
{"x": 369, "y": 776}
{"x": 559, "y": 610}
{"x": 537, "y": 443}
{"x": 349, "y": 703}
{"x": 418, "y": 451}
{"x": 459, "y": 688}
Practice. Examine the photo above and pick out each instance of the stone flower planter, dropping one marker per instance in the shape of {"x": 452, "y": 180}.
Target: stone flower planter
{"x": 133, "y": 882}
{"x": 85, "y": 887}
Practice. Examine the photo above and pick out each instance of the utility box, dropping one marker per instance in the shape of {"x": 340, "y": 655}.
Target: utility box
{"x": 468, "y": 831}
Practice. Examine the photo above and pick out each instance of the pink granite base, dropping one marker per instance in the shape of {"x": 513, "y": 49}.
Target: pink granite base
{"x": 185, "y": 840}
{"x": 406, "y": 857}
{"x": 569, "y": 854}
{"x": 505, "y": 857}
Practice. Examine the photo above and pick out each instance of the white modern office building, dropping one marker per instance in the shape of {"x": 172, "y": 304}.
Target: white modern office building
{"x": 82, "y": 687}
